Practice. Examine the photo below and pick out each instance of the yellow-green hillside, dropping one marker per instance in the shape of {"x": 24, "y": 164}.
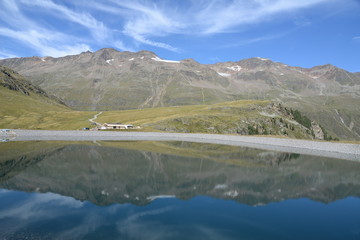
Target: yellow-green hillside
{"x": 37, "y": 112}
{"x": 150, "y": 116}
{"x": 238, "y": 117}
{"x": 244, "y": 117}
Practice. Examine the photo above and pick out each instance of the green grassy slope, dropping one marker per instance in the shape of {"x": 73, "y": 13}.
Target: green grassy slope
{"x": 246, "y": 117}
{"x": 37, "y": 112}
{"x": 150, "y": 116}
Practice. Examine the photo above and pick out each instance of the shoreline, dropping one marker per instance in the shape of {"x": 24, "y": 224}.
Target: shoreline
{"x": 346, "y": 151}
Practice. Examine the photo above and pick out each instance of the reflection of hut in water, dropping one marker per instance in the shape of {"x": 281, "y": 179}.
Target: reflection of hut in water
{"x": 117, "y": 126}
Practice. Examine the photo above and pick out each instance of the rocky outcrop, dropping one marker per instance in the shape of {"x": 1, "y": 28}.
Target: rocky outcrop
{"x": 317, "y": 130}
{"x": 16, "y": 82}
{"x": 270, "y": 119}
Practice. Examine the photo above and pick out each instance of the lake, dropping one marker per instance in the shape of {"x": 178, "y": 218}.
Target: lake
{"x": 173, "y": 190}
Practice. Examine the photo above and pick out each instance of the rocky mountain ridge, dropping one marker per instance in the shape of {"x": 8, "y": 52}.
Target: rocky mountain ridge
{"x": 109, "y": 79}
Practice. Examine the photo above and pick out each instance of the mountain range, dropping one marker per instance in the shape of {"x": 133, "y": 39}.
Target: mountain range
{"x": 112, "y": 80}
{"x": 109, "y": 79}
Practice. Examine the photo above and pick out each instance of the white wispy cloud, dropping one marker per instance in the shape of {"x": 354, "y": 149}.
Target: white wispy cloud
{"x": 356, "y": 38}
{"x": 146, "y": 19}
{"x": 97, "y": 28}
{"x": 217, "y": 18}
{"x": 120, "y": 45}
{"x": 11, "y": 14}
{"x": 127, "y": 24}
{"x": 46, "y": 42}
{"x": 142, "y": 39}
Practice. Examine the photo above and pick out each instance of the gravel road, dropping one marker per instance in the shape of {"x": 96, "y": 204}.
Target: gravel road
{"x": 318, "y": 148}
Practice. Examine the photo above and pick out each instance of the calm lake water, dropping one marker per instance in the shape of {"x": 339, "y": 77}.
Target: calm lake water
{"x": 173, "y": 190}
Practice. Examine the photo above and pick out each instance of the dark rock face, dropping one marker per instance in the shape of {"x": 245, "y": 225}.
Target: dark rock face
{"x": 16, "y": 82}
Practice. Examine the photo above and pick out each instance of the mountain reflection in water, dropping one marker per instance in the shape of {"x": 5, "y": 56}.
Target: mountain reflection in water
{"x": 158, "y": 176}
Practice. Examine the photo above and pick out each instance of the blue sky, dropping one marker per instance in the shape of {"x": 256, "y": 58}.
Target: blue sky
{"x": 296, "y": 32}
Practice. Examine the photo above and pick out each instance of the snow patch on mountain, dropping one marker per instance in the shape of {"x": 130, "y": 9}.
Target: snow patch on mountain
{"x": 263, "y": 59}
{"x": 236, "y": 68}
{"x": 131, "y": 59}
{"x": 224, "y": 74}
{"x": 162, "y": 60}
{"x": 109, "y": 61}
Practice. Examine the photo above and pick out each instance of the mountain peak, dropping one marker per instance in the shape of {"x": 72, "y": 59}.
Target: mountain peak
{"x": 255, "y": 62}
{"x": 189, "y": 61}
{"x": 146, "y": 53}
{"x": 105, "y": 53}
{"x": 86, "y": 52}
{"x": 262, "y": 59}
{"x": 106, "y": 50}
{"x": 324, "y": 67}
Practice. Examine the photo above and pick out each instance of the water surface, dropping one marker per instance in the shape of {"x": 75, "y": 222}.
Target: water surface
{"x": 173, "y": 190}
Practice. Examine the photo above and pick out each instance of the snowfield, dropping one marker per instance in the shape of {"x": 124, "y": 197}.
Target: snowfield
{"x": 162, "y": 60}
